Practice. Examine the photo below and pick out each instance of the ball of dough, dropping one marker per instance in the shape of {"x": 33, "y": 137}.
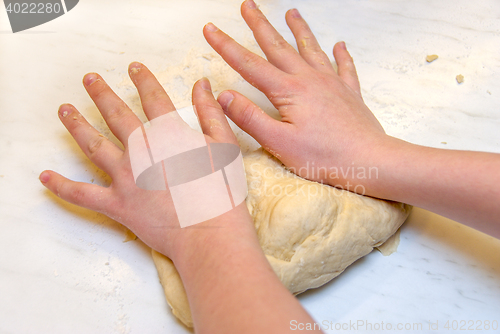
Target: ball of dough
{"x": 309, "y": 232}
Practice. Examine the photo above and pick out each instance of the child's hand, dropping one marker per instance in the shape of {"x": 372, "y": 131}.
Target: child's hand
{"x": 328, "y": 134}
{"x": 149, "y": 214}
{"x": 324, "y": 121}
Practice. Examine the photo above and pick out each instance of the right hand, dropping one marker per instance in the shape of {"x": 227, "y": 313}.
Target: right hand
{"x": 325, "y": 125}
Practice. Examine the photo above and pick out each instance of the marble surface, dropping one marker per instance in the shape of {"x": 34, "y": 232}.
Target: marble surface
{"x": 66, "y": 269}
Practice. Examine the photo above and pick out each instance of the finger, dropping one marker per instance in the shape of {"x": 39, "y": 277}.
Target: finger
{"x": 346, "y": 68}
{"x": 277, "y": 50}
{"x": 307, "y": 44}
{"x": 90, "y": 196}
{"x": 120, "y": 119}
{"x": 154, "y": 99}
{"x": 102, "y": 152}
{"x": 253, "y": 120}
{"x": 254, "y": 69}
{"x": 213, "y": 122}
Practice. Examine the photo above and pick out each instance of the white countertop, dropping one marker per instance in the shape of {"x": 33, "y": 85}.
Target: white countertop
{"x": 66, "y": 269}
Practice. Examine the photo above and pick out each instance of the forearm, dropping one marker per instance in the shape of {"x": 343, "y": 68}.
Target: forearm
{"x": 230, "y": 285}
{"x": 461, "y": 185}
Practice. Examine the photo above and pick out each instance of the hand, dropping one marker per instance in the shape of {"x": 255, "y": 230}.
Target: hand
{"x": 149, "y": 214}
{"x": 325, "y": 125}
{"x": 328, "y": 134}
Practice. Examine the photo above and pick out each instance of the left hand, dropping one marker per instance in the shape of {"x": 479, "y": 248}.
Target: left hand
{"x": 149, "y": 214}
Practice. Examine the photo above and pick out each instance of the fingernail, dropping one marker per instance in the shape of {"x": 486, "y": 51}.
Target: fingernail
{"x": 135, "y": 67}
{"x": 225, "y": 99}
{"x": 211, "y": 27}
{"x": 44, "y": 177}
{"x": 64, "y": 110}
{"x": 205, "y": 84}
{"x": 250, "y": 4}
{"x": 90, "y": 79}
{"x": 296, "y": 14}
{"x": 342, "y": 46}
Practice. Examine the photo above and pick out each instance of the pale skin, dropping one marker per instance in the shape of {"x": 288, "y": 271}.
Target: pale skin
{"x": 230, "y": 286}
{"x": 325, "y": 124}
{"x": 220, "y": 261}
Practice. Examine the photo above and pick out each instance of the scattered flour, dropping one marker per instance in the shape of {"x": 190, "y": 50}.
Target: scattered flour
{"x": 178, "y": 80}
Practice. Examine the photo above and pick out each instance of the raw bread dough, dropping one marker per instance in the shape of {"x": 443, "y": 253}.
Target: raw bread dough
{"x": 431, "y": 58}
{"x": 390, "y": 245}
{"x": 309, "y": 232}
{"x": 173, "y": 288}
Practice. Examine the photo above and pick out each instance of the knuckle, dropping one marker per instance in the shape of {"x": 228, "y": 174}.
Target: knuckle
{"x": 95, "y": 145}
{"x": 210, "y": 111}
{"x": 247, "y": 115}
{"x": 77, "y": 195}
{"x": 117, "y": 111}
{"x": 262, "y": 20}
{"x": 70, "y": 193}
{"x": 318, "y": 52}
{"x": 310, "y": 45}
{"x": 293, "y": 85}
{"x": 158, "y": 100}
{"x": 280, "y": 44}
{"x": 155, "y": 95}
{"x": 319, "y": 57}
{"x": 250, "y": 60}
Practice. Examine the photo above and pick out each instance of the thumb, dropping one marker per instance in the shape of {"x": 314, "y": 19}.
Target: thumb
{"x": 251, "y": 119}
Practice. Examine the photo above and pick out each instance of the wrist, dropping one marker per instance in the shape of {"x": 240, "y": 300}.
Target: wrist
{"x": 390, "y": 161}
{"x": 212, "y": 236}
{"x": 363, "y": 169}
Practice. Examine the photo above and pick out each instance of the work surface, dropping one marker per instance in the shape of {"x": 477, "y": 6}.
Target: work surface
{"x": 64, "y": 269}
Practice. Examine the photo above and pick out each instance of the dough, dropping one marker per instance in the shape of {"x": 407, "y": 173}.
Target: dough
{"x": 390, "y": 245}
{"x": 431, "y": 58}
{"x": 309, "y": 232}
{"x": 173, "y": 288}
